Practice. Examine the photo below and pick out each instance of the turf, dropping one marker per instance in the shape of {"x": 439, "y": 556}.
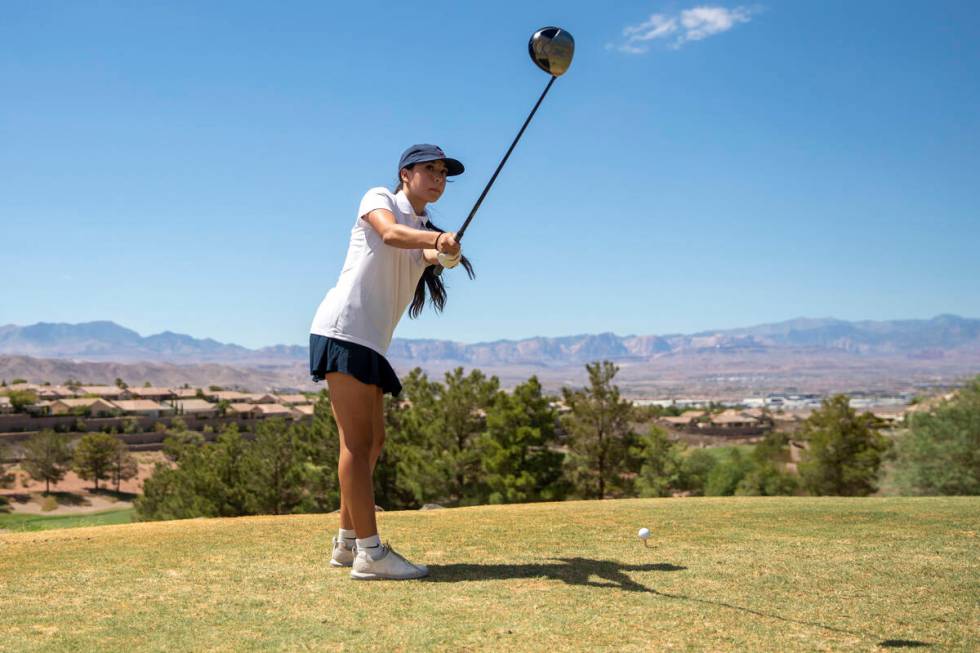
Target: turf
{"x": 724, "y": 453}
{"x": 725, "y": 574}
{"x": 17, "y": 522}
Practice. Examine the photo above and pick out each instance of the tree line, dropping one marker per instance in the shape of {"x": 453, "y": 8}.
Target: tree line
{"x": 49, "y": 456}
{"x": 464, "y": 441}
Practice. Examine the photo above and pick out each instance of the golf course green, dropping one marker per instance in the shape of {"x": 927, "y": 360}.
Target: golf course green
{"x": 720, "y": 574}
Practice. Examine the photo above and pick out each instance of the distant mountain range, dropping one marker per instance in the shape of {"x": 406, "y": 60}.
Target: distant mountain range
{"x": 914, "y": 338}
{"x": 107, "y": 341}
{"x": 803, "y": 352}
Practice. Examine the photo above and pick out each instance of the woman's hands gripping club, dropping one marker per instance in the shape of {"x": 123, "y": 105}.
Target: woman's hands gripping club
{"x": 449, "y": 251}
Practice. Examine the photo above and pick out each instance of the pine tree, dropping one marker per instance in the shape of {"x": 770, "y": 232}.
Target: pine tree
{"x": 278, "y": 467}
{"x": 94, "y": 457}
{"x": 519, "y": 461}
{"x": 724, "y": 477}
{"x": 124, "y": 466}
{"x": 456, "y": 430}
{"x": 6, "y": 479}
{"x": 230, "y": 465}
{"x": 47, "y": 457}
{"x": 696, "y": 466}
{"x": 185, "y": 490}
{"x": 321, "y": 444}
{"x": 661, "y": 464}
{"x": 767, "y": 477}
{"x": 599, "y": 432}
{"x": 940, "y": 454}
{"x": 411, "y": 470}
{"x": 845, "y": 450}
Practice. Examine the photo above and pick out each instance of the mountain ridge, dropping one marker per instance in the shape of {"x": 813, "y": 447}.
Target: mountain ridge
{"x": 103, "y": 341}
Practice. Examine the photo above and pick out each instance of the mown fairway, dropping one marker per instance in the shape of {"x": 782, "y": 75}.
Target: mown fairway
{"x": 772, "y": 574}
{"x": 26, "y": 522}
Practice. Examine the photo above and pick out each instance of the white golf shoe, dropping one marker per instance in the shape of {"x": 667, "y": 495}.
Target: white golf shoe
{"x": 342, "y": 556}
{"x": 390, "y": 566}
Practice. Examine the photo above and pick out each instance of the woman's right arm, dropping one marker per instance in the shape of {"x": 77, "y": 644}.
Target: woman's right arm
{"x": 404, "y": 237}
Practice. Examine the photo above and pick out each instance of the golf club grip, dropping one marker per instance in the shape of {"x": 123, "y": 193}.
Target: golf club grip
{"x": 479, "y": 201}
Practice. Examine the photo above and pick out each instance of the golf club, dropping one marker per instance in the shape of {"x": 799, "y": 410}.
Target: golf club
{"x": 551, "y": 49}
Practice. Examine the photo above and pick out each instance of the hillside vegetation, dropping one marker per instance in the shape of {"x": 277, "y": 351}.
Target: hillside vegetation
{"x": 776, "y": 574}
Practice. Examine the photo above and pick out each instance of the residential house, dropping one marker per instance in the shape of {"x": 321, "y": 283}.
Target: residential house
{"x": 38, "y": 409}
{"x": 185, "y": 393}
{"x": 260, "y": 398}
{"x": 53, "y": 392}
{"x": 107, "y": 392}
{"x": 271, "y": 410}
{"x": 687, "y": 419}
{"x": 733, "y": 419}
{"x": 241, "y": 409}
{"x": 196, "y": 407}
{"x": 152, "y": 394}
{"x": 890, "y": 415}
{"x": 227, "y": 395}
{"x": 91, "y": 406}
{"x": 144, "y": 408}
{"x": 303, "y": 410}
{"x": 6, "y": 406}
{"x": 293, "y": 400}
{"x": 679, "y": 423}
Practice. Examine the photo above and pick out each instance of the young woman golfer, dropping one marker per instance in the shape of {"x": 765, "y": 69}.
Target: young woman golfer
{"x": 389, "y": 265}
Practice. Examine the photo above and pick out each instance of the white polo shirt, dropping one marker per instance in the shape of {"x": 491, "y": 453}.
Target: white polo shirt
{"x": 377, "y": 282}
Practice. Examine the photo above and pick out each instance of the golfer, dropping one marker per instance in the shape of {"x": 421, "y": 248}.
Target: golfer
{"x": 390, "y": 263}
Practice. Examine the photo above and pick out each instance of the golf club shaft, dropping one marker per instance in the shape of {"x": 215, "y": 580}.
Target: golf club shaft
{"x": 469, "y": 218}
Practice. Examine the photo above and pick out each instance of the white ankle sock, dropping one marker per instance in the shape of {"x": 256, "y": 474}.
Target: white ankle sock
{"x": 348, "y": 536}
{"x": 370, "y": 545}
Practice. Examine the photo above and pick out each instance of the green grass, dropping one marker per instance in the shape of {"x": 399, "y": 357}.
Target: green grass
{"x": 721, "y": 574}
{"x": 723, "y": 454}
{"x": 21, "y": 522}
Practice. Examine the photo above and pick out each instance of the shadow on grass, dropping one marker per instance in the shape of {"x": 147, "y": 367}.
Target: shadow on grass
{"x": 581, "y": 571}
{"x": 903, "y": 643}
{"x": 69, "y": 499}
{"x": 112, "y": 494}
{"x": 573, "y": 571}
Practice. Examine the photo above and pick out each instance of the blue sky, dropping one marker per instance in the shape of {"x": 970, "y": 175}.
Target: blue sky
{"x": 196, "y": 167}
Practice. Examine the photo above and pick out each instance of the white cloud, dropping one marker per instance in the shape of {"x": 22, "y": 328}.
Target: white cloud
{"x": 702, "y": 22}
{"x": 690, "y": 25}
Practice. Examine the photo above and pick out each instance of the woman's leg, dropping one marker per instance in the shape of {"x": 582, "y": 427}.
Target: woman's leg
{"x": 378, "y": 440}
{"x": 354, "y": 407}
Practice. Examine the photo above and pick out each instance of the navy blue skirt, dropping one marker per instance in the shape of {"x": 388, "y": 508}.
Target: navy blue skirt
{"x": 363, "y": 363}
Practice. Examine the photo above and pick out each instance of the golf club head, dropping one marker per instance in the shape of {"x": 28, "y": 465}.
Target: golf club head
{"x": 551, "y": 49}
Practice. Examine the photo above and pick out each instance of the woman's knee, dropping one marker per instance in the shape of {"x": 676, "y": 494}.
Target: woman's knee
{"x": 359, "y": 450}
{"x": 353, "y": 406}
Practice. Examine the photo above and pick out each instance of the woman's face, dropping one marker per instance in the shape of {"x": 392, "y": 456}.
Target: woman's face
{"x": 426, "y": 181}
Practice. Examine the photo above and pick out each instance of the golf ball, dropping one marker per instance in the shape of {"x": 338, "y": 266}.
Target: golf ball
{"x": 644, "y": 533}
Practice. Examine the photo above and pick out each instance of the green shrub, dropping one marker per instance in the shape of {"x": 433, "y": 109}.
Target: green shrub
{"x": 940, "y": 454}
{"x": 725, "y": 476}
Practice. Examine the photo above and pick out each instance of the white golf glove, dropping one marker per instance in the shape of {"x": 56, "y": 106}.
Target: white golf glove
{"x": 447, "y": 261}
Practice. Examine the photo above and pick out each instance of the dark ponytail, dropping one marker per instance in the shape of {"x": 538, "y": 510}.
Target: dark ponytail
{"x": 433, "y": 281}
